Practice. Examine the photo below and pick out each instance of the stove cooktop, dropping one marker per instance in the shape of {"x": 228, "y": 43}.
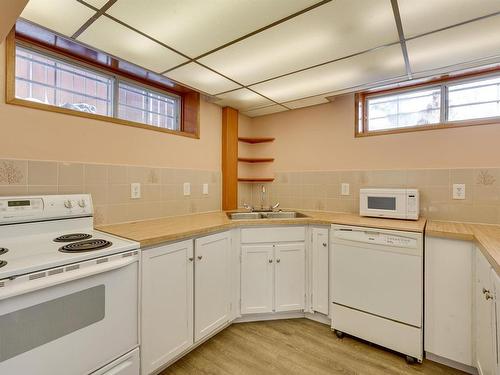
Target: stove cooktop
{"x": 73, "y": 237}
{"x": 86, "y": 245}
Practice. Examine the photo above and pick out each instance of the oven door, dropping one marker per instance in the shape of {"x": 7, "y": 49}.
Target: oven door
{"x": 72, "y": 320}
{"x": 391, "y": 204}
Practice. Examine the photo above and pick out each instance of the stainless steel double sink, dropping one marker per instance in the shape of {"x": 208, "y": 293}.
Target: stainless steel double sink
{"x": 265, "y": 215}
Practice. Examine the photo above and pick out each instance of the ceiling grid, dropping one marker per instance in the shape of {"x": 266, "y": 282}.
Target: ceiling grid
{"x": 263, "y": 57}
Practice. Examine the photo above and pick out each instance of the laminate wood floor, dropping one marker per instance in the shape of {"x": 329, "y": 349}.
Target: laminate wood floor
{"x": 293, "y": 347}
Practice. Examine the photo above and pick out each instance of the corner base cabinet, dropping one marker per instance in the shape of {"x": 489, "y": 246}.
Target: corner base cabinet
{"x": 272, "y": 270}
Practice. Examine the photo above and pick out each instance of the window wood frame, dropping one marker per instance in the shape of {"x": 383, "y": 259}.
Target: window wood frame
{"x": 189, "y": 99}
{"x": 360, "y": 104}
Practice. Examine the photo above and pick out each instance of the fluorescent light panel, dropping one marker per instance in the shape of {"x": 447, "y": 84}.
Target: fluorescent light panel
{"x": 331, "y": 31}
{"x": 62, "y": 16}
{"x": 195, "y": 27}
{"x": 129, "y": 45}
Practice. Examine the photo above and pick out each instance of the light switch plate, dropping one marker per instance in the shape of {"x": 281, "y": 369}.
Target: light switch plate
{"x": 135, "y": 190}
{"x": 458, "y": 191}
{"x": 205, "y": 189}
{"x": 344, "y": 189}
{"x": 187, "y": 188}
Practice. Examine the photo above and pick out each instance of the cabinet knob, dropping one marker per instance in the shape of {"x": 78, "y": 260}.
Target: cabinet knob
{"x": 488, "y": 296}
{"x": 324, "y": 244}
{"x": 200, "y": 257}
{"x": 190, "y": 259}
{"x": 278, "y": 260}
{"x": 270, "y": 260}
{"x": 485, "y": 291}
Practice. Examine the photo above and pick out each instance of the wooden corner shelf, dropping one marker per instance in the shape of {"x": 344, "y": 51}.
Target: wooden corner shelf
{"x": 255, "y": 140}
{"x": 256, "y": 160}
{"x": 256, "y": 179}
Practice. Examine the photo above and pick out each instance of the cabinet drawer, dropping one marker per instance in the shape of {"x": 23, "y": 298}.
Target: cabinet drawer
{"x": 273, "y": 234}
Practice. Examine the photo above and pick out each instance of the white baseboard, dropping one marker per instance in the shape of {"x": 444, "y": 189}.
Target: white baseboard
{"x": 451, "y": 363}
{"x": 269, "y": 316}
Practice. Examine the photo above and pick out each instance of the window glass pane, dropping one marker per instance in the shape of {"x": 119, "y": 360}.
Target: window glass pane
{"x": 422, "y": 107}
{"x": 46, "y": 80}
{"x": 473, "y": 100}
{"x": 136, "y": 103}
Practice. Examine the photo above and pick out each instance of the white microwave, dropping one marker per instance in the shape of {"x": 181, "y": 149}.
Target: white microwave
{"x": 389, "y": 203}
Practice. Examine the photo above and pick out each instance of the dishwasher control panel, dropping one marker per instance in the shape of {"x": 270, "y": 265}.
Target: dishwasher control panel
{"x": 367, "y": 236}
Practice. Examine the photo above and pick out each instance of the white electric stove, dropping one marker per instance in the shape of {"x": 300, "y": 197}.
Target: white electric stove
{"x": 68, "y": 293}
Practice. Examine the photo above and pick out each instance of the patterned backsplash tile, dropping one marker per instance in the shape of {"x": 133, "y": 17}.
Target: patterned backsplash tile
{"x": 321, "y": 191}
{"x": 161, "y": 188}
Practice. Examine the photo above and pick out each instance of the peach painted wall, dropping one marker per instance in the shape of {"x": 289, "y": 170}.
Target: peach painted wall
{"x": 27, "y": 133}
{"x": 322, "y": 138}
{"x": 9, "y": 12}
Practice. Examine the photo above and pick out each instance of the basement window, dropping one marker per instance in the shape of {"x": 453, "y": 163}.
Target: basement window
{"x": 451, "y": 102}
{"x": 46, "y": 80}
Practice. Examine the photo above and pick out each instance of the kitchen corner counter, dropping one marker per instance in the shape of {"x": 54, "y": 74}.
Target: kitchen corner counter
{"x": 157, "y": 231}
{"x": 486, "y": 236}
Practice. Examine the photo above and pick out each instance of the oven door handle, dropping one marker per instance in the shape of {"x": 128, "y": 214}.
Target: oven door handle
{"x": 44, "y": 282}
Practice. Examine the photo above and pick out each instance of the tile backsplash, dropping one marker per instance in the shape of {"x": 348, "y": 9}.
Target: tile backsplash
{"x": 109, "y": 185}
{"x": 321, "y": 191}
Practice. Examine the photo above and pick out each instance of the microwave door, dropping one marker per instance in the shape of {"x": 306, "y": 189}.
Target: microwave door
{"x": 390, "y": 205}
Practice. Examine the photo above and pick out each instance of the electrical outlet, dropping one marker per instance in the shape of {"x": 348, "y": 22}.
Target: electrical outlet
{"x": 458, "y": 191}
{"x": 344, "y": 189}
{"x": 187, "y": 188}
{"x": 205, "y": 189}
{"x": 135, "y": 190}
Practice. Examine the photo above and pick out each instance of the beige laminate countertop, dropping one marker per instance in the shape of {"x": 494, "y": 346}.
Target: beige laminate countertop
{"x": 487, "y": 237}
{"x": 156, "y": 231}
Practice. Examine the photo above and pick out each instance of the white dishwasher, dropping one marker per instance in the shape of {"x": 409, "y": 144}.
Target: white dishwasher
{"x": 377, "y": 287}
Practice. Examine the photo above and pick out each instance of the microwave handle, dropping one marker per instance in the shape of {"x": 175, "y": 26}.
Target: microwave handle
{"x": 53, "y": 280}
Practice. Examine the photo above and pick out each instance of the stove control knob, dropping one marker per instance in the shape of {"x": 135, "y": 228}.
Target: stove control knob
{"x": 68, "y": 204}
{"x": 82, "y": 203}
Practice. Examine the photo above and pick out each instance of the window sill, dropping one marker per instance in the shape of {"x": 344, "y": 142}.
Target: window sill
{"x": 449, "y": 125}
{"x": 50, "y": 108}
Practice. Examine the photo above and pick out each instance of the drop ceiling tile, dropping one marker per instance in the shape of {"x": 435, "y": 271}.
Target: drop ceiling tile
{"x": 421, "y": 16}
{"x": 47, "y": 13}
{"x": 96, "y": 3}
{"x": 126, "y": 44}
{"x": 195, "y": 27}
{"x": 265, "y": 111}
{"x": 307, "y": 102}
{"x": 243, "y": 99}
{"x": 200, "y": 78}
{"x": 473, "y": 41}
{"x": 372, "y": 67}
{"x": 331, "y": 31}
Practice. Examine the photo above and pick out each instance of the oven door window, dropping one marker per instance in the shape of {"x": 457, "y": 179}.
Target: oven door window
{"x": 382, "y": 203}
{"x": 31, "y": 327}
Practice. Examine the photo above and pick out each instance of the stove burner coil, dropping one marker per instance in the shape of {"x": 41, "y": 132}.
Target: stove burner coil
{"x": 2, "y": 263}
{"x": 83, "y": 246}
{"x": 3, "y": 250}
{"x": 72, "y": 237}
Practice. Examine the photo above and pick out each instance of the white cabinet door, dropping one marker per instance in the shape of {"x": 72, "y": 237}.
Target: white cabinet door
{"x": 212, "y": 283}
{"x": 319, "y": 274}
{"x": 485, "y": 337}
{"x": 167, "y": 303}
{"x": 496, "y": 286}
{"x": 290, "y": 277}
{"x": 449, "y": 299}
{"x": 257, "y": 279}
